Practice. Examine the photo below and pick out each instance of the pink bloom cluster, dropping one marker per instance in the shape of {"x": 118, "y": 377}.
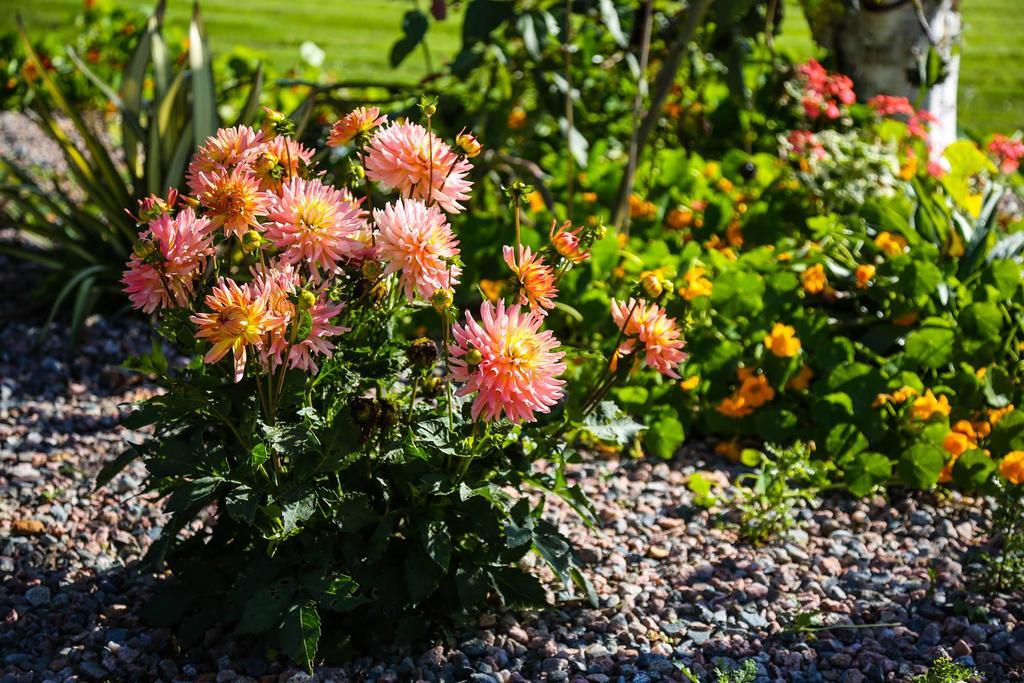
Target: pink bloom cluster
{"x": 824, "y": 94}
{"x": 658, "y": 334}
{"x": 917, "y": 119}
{"x": 169, "y": 259}
{"x": 1008, "y": 152}
{"x": 408, "y": 158}
{"x": 511, "y": 366}
{"x": 805, "y": 144}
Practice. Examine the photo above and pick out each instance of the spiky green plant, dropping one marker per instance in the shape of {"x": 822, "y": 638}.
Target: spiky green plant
{"x": 163, "y": 111}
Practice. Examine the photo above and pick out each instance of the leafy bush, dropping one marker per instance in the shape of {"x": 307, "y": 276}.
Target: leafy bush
{"x": 344, "y": 479}
{"x": 767, "y": 499}
{"x": 945, "y": 670}
{"x": 165, "y": 109}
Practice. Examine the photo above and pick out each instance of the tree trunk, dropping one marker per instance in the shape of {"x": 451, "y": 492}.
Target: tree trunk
{"x": 881, "y": 45}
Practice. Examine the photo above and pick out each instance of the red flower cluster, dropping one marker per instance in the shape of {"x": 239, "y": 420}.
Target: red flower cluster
{"x": 825, "y": 94}
{"x": 1007, "y": 150}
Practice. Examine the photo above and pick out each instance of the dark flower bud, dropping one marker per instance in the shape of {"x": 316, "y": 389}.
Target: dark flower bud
{"x": 423, "y": 353}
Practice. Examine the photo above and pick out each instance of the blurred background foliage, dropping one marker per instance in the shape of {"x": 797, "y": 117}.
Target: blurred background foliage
{"x": 355, "y": 37}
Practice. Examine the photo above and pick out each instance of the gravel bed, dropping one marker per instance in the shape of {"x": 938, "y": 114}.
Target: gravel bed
{"x": 676, "y": 585}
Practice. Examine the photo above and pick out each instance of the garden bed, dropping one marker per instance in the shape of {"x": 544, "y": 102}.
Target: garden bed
{"x": 675, "y": 585}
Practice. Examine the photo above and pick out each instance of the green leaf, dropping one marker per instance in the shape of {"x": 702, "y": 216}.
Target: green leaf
{"x": 414, "y": 28}
{"x": 266, "y": 607}
{"x": 242, "y": 503}
{"x": 204, "y": 98}
{"x": 300, "y": 635}
{"x": 864, "y": 471}
{"x": 973, "y": 469}
{"x": 436, "y": 540}
{"x": 982, "y": 320}
{"x": 920, "y": 465}
{"x": 1008, "y": 433}
{"x": 609, "y": 424}
{"x": 665, "y": 437}
{"x": 422, "y": 574}
{"x": 845, "y": 440}
{"x": 516, "y": 588}
{"x": 192, "y": 494}
{"x": 111, "y": 469}
{"x": 932, "y": 344}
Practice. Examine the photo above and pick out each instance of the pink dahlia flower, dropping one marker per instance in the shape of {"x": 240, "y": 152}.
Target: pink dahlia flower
{"x": 399, "y": 157}
{"x": 279, "y": 285}
{"x": 171, "y": 255}
{"x": 230, "y": 147}
{"x": 238, "y": 317}
{"x": 536, "y": 279}
{"x": 417, "y": 243}
{"x": 278, "y": 160}
{"x": 567, "y": 242}
{"x": 518, "y": 368}
{"x": 658, "y": 333}
{"x": 315, "y": 224}
{"x": 233, "y": 200}
{"x": 360, "y": 120}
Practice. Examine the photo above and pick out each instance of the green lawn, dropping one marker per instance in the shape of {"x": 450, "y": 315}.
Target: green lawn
{"x": 357, "y": 34}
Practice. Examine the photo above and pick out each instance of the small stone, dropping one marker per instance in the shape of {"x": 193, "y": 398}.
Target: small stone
{"x": 27, "y": 527}
{"x": 38, "y": 596}
{"x": 961, "y": 648}
{"x": 657, "y": 552}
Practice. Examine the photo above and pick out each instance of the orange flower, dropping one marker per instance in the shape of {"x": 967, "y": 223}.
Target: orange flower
{"x": 756, "y": 391}
{"x": 927, "y": 405}
{"x": 1012, "y": 467}
{"x": 814, "y": 279}
{"x": 536, "y": 201}
{"x": 695, "y": 284}
{"x": 492, "y": 289}
{"x": 801, "y": 380}
{"x": 641, "y": 208}
{"x": 361, "y": 120}
{"x": 239, "y": 318}
{"x": 864, "y": 273}
{"x": 905, "y": 320}
{"x": 891, "y": 244}
{"x": 567, "y": 242}
{"x": 734, "y": 234}
{"x": 690, "y": 383}
{"x": 904, "y": 394}
{"x": 730, "y": 449}
{"x": 997, "y": 414}
{"x": 734, "y": 406}
{"x": 956, "y": 444}
{"x": 536, "y": 279}
{"x": 678, "y": 219}
{"x": 516, "y": 118}
{"x": 782, "y": 341}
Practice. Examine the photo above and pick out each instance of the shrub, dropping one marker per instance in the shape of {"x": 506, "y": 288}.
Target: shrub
{"x": 351, "y": 470}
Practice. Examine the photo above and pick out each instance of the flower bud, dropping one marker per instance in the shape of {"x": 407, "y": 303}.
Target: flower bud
{"x": 251, "y": 241}
{"x": 275, "y": 123}
{"x": 468, "y": 143}
{"x": 307, "y": 300}
{"x": 423, "y": 352}
{"x": 372, "y": 270}
{"x": 144, "y": 249}
{"x": 363, "y": 409}
{"x": 428, "y": 105}
{"x": 652, "y": 285}
{"x": 473, "y": 357}
{"x": 442, "y": 299}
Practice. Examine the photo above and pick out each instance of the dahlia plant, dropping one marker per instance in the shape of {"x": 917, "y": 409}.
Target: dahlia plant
{"x": 346, "y": 467}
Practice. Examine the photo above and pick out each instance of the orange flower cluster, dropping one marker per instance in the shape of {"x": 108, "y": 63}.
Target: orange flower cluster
{"x": 753, "y": 392}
